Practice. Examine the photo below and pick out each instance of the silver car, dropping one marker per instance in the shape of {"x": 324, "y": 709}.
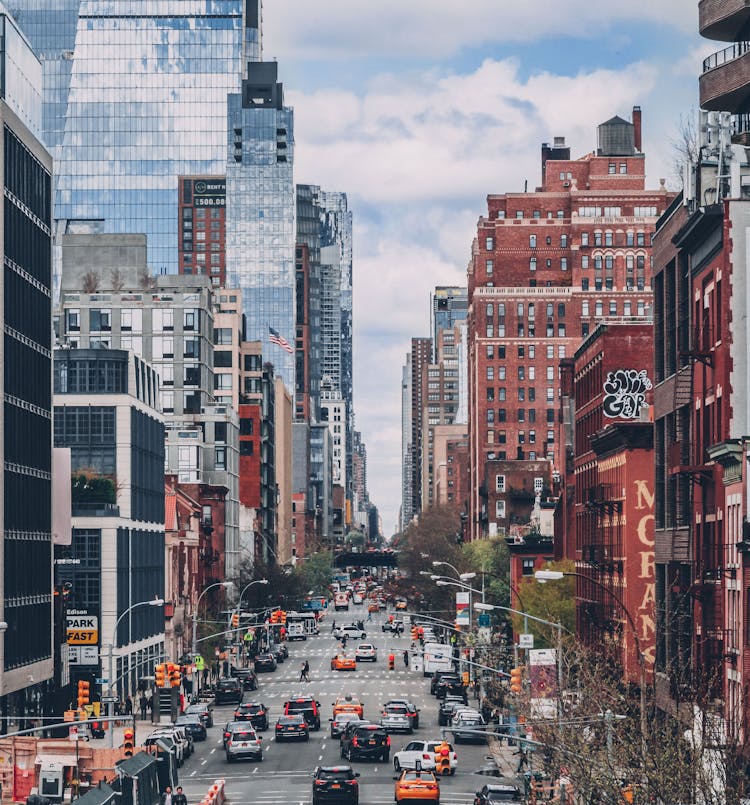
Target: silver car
{"x": 396, "y": 718}
{"x": 244, "y": 741}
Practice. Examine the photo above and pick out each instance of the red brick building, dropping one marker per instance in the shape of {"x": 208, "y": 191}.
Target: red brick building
{"x": 202, "y": 227}
{"x": 614, "y": 494}
{"x": 545, "y": 268}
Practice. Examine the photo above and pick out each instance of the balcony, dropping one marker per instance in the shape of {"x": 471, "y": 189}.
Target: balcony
{"x": 723, "y": 20}
{"x": 725, "y": 83}
{"x": 94, "y": 509}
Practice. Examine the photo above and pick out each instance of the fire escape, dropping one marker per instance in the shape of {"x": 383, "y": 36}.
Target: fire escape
{"x": 700, "y": 544}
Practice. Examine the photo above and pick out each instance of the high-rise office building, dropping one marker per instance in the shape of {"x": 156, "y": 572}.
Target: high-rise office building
{"x": 169, "y": 64}
{"x": 260, "y": 213}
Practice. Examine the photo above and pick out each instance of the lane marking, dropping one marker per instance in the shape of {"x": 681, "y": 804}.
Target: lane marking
{"x": 213, "y": 750}
{"x": 194, "y": 772}
{"x": 203, "y": 762}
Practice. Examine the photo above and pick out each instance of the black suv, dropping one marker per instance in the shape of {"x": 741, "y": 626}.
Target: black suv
{"x": 246, "y": 676}
{"x": 307, "y": 707}
{"x": 229, "y": 690}
{"x": 446, "y": 684}
{"x": 254, "y": 712}
{"x": 440, "y": 675}
{"x": 335, "y": 784}
{"x": 367, "y": 741}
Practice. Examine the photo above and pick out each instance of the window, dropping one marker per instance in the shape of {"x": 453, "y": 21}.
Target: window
{"x": 640, "y": 239}
{"x": 550, "y": 373}
{"x": 612, "y": 167}
{"x": 163, "y": 319}
{"x": 502, "y": 415}
{"x": 608, "y": 238}
{"x": 490, "y": 395}
{"x": 532, "y": 394}
{"x": 623, "y": 167}
{"x": 522, "y": 373}
{"x": 519, "y": 213}
{"x": 521, "y": 437}
{"x": 538, "y": 485}
{"x": 550, "y": 436}
{"x": 563, "y": 241}
{"x": 532, "y": 241}
{"x": 490, "y": 352}
{"x": 222, "y": 336}
{"x": 223, "y": 382}
{"x": 641, "y": 308}
{"x": 550, "y": 415}
{"x": 627, "y": 308}
{"x": 532, "y": 349}
{"x": 612, "y": 307}
{"x": 100, "y": 320}
{"x": 131, "y": 320}
{"x": 645, "y": 212}
{"x": 499, "y": 508}
{"x": 190, "y": 320}
{"x": 167, "y": 401}
{"x": 490, "y": 373}
{"x": 489, "y": 244}
{"x": 584, "y": 284}
{"x": 502, "y": 437}
{"x": 72, "y": 321}
{"x": 561, "y": 351}
{"x": 521, "y": 415}
{"x": 584, "y": 238}
{"x": 550, "y": 394}
{"x": 527, "y": 566}
{"x": 598, "y": 308}
{"x": 220, "y": 458}
{"x": 612, "y": 212}
{"x": 489, "y": 331}
{"x": 501, "y": 373}
{"x": 489, "y": 266}
{"x": 550, "y": 351}
{"x": 585, "y": 307}
{"x": 563, "y": 264}
{"x": 521, "y": 394}
{"x": 490, "y": 415}
{"x": 501, "y": 392}
{"x": 532, "y": 372}
{"x": 609, "y": 262}
{"x": 532, "y": 264}
{"x": 490, "y": 310}
{"x": 191, "y": 348}
{"x": 597, "y": 238}
{"x": 499, "y": 483}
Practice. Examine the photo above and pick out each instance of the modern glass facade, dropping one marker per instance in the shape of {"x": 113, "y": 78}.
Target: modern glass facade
{"x": 20, "y": 75}
{"x": 260, "y": 212}
{"x": 136, "y": 95}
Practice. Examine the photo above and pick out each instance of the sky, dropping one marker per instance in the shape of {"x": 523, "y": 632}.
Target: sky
{"x": 418, "y": 109}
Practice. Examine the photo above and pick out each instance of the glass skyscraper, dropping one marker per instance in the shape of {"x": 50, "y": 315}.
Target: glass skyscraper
{"x": 136, "y": 95}
{"x": 260, "y": 212}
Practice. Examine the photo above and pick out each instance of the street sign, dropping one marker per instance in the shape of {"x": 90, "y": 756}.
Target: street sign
{"x": 82, "y": 628}
{"x": 109, "y": 699}
{"x": 526, "y": 641}
{"x": 101, "y": 681}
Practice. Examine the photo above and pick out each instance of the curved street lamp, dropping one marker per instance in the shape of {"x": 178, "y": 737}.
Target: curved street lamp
{"x": 245, "y": 589}
{"x": 154, "y": 602}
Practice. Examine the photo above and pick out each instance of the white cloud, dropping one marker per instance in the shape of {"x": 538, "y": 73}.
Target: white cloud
{"x": 417, "y": 155}
{"x": 353, "y": 29}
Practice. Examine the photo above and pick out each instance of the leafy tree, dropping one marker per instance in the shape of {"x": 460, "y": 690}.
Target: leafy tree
{"x": 553, "y": 601}
{"x": 488, "y": 558}
{"x": 315, "y": 572}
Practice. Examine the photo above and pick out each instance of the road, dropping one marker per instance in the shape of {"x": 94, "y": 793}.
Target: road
{"x": 285, "y": 774}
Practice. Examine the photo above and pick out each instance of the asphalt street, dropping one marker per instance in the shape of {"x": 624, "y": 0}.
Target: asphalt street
{"x": 285, "y": 774}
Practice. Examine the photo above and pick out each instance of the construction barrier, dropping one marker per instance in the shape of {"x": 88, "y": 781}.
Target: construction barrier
{"x": 216, "y": 794}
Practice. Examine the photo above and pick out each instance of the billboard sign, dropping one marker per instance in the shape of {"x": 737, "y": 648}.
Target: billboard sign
{"x": 462, "y": 609}
{"x": 543, "y": 679}
{"x": 209, "y": 192}
{"x": 82, "y": 628}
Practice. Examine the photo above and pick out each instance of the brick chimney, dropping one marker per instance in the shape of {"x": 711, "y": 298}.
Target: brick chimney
{"x": 637, "y": 130}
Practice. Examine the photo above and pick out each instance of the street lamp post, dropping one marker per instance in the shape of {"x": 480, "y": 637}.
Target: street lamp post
{"x": 195, "y": 612}
{"x": 554, "y": 575}
{"x": 241, "y": 650}
{"x": 156, "y": 602}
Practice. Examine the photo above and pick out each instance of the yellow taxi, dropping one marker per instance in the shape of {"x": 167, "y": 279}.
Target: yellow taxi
{"x": 373, "y": 607}
{"x": 401, "y": 603}
{"x": 348, "y": 704}
{"x": 343, "y": 663}
{"x": 417, "y": 785}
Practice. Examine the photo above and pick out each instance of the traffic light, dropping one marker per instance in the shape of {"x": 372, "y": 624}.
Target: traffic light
{"x": 159, "y": 676}
{"x": 128, "y": 741}
{"x": 275, "y": 616}
{"x": 175, "y": 676}
{"x": 235, "y": 620}
{"x": 443, "y": 758}
{"x": 84, "y": 693}
{"x": 282, "y": 616}
{"x": 516, "y": 683}
{"x": 414, "y": 634}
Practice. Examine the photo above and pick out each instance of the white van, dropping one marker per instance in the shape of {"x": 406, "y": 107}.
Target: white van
{"x": 437, "y": 657}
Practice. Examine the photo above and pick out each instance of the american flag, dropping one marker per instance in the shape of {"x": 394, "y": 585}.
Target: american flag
{"x": 279, "y": 340}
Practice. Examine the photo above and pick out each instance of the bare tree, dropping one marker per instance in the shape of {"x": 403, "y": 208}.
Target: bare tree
{"x": 117, "y": 279}
{"x": 685, "y": 147}
{"x": 90, "y": 282}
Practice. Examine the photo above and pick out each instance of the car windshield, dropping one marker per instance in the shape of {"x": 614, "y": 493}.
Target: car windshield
{"x": 342, "y": 718}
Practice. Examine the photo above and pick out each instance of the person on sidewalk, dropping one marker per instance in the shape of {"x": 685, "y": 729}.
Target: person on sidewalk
{"x": 179, "y": 798}
{"x": 144, "y": 706}
{"x": 166, "y": 797}
{"x": 129, "y": 706}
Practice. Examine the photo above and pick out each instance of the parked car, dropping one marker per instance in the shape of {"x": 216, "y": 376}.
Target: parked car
{"x": 203, "y": 710}
{"x": 193, "y": 725}
{"x": 469, "y": 727}
{"x": 265, "y": 662}
{"x": 421, "y": 755}
{"x": 445, "y": 711}
{"x": 492, "y": 794}
{"x": 229, "y": 690}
